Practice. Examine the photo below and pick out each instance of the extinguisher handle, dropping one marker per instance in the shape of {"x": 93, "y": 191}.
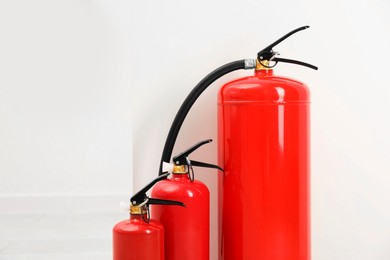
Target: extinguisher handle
{"x": 153, "y": 201}
{"x": 205, "y": 165}
{"x": 268, "y": 54}
{"x": 180, "y": 159}
{"x": 296, "y": 62}
{"x": 140, "y": 196}
{"x": 149, "y": 201}
{"x": 269, "y": 47}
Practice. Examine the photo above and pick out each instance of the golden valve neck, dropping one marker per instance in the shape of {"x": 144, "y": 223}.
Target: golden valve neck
{"x": 137, "y": 210}
{"x": 180, "y": 169}
{"x": 263, "y": 65}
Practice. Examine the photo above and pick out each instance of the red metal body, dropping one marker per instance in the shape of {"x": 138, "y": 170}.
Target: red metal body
{"x": 134, "y": 239}
{"x": 186, "y": 229}
{"x": 263, "y": 132}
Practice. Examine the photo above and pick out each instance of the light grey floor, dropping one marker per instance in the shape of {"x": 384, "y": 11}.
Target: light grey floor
{"x": 57, "y": 235}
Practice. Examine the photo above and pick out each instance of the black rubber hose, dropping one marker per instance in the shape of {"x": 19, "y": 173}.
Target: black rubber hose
{"x": 189, "y": 101}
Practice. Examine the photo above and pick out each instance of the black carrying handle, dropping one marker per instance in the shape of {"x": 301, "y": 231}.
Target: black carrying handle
{"x": 205, "y": 165}
{"x": 153, "y": 201}
{"x": 140, "y": 196}
{"x": 268, "y": 54}
{"x": 182, "y": 158}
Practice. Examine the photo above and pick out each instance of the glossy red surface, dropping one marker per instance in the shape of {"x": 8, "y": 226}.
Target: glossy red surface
{"x": 134, "y": 239}
{"x": 263, "y": 132}
{"x": 186, "y": 229}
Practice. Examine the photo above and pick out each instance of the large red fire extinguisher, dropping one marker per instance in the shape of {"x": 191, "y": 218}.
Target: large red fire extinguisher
{"x": 141, "y": 237}
{"x": 187, "y": 230}
{"x": 263, "y": 123}
{"x": 263, "y": 136}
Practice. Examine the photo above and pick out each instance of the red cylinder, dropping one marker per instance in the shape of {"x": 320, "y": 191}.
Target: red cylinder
{"x": 186, "y": 229}
{"x": 263, "y": 134}
{"x": 135, "y": 239}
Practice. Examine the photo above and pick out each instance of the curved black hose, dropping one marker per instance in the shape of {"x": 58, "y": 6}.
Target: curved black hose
{"x": 189, "y": 101}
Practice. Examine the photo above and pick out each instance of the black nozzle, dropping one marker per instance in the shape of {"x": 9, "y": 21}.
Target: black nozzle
{"x": 268, "y": 54}
{"x": 190, "y": 100}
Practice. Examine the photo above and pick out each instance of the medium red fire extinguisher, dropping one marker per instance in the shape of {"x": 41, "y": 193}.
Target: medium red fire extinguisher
{"x": 187, "y": 230}
{"x": 141, "y": 237}
{"x": 263, "y": 136}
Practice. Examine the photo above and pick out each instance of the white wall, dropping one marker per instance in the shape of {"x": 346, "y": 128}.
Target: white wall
{"x": 176, "y": 43}
{"x": 65, "y": 121}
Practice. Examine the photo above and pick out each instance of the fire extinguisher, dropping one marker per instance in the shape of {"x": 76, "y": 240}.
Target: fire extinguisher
{"x": 263, "y": 124}
{"x": 187, "y": 230}
{"x": 263, "y": 136}
{"x": 141, "y": 237}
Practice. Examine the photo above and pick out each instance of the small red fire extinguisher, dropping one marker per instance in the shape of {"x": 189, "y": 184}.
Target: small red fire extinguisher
{"x": 141, "y": 237}
{"x": 187, "y": 230}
